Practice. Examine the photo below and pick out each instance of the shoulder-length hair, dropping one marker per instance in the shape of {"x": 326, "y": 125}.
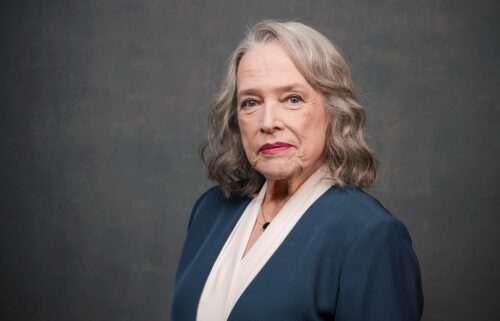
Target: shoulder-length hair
{"x": 347, "y": 155}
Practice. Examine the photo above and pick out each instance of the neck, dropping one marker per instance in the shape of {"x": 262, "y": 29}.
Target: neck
{"x": 279, "y": 191}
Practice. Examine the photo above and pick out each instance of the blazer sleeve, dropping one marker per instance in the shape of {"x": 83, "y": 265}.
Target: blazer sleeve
{"x": 380, "y": 275}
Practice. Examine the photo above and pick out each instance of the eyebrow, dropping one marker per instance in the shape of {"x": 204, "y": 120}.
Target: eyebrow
{"x": 255, "y": 91}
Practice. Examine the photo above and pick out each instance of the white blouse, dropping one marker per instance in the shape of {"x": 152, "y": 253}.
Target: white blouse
{"x": 232, "y": 272}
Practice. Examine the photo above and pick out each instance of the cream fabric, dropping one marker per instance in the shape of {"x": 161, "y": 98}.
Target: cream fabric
{"x": 230, "y": 274}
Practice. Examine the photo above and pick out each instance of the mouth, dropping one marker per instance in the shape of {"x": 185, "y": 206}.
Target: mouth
{"x": 274, "y": 148}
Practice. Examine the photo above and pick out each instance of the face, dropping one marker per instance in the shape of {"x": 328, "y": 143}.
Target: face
{"x": 282, "y": 119}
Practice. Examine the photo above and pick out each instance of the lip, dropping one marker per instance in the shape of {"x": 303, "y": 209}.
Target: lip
{"x": 274, "y": 148}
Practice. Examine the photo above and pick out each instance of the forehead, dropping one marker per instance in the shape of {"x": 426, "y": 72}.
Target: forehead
{"x": 267, "y": 67}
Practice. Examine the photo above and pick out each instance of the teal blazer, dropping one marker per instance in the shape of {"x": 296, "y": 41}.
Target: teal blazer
{"x": 346, "y": 259}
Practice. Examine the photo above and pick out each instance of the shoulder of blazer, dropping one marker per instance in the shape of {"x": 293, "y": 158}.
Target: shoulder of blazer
{"x": 213, "y": 198}
{"x": 353, "y": 210}
{"x": 359, "y": 203}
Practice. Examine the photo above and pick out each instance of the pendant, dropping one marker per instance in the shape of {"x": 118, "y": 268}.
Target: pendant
{"x": 266, "y": 224}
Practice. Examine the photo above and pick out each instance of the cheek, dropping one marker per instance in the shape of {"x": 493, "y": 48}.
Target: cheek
{"x": 246, "y": 137}
{"x": 313, "y": 137}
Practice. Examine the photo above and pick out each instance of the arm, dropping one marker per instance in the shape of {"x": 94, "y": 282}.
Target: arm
{"x": 380, "y": 278}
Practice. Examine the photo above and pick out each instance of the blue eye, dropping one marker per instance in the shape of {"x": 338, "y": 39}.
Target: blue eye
{"x": 249, "y": 103}
{"x": 294, "y": 99}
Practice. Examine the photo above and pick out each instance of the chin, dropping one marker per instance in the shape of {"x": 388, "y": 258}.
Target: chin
{"x": 277, "y": 172}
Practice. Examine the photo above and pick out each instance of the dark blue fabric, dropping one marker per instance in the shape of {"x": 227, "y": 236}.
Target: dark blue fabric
{"x": 346, "y": 259}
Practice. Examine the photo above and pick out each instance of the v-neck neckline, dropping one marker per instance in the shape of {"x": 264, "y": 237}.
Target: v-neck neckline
{"x": 233, "y": 272}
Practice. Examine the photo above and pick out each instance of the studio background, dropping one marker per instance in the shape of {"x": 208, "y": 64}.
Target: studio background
{"x": 104, "y": 104}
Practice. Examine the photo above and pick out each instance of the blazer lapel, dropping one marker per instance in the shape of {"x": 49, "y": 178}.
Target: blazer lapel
{"x": 227, "y": 217}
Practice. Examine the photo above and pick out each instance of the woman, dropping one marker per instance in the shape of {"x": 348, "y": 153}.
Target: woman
{"x": 288, "y": 234}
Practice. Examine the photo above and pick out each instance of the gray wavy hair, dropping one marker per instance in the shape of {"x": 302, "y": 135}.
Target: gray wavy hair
{"x": 349, "y": 159}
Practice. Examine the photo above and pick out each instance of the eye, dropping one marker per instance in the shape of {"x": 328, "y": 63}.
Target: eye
{"x": 294, "y": 99}
{"x": 250, "y": 102}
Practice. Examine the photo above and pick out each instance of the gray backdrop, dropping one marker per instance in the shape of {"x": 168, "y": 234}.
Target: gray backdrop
{"x": 104, "y": 104}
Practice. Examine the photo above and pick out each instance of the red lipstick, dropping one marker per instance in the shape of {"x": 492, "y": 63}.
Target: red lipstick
{"x": 274, "y": 148}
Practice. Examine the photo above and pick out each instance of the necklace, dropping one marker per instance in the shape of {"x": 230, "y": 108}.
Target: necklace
{"x": 266, "y": 222}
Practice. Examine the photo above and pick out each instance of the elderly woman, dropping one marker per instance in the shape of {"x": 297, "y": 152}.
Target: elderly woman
{"x": 288, "y": 233}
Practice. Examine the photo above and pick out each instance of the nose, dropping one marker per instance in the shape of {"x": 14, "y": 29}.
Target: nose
{"x": 271, "y": 119}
